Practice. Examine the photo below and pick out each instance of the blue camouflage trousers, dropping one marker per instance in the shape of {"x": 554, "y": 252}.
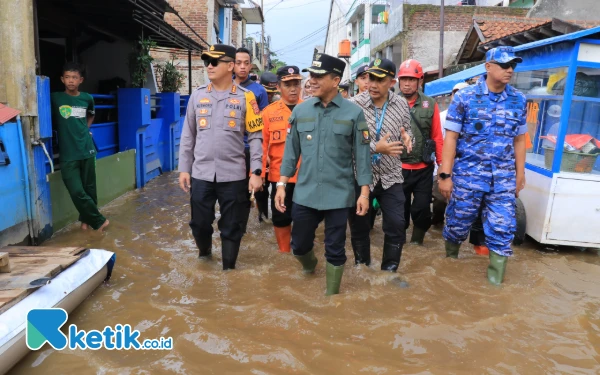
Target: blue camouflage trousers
{"x": 497, "y": 214}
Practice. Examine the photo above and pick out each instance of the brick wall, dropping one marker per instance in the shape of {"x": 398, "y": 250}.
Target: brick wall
{"x": 422, "y": 25}
{"x": 235, "y": 27}
{"x": 216, "y": 16}
{"x": 201, "y": 15}
{"x": 456, "y": 18}
{"x": 194, "y": 13}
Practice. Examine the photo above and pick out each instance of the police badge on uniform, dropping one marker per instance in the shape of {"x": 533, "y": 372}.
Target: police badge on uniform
{"x": 366, "y": 138}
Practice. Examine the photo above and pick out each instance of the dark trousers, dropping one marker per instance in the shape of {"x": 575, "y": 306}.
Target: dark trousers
{"x": 418, "y": 188}
{"x": 262, "y": 198}
{"x": 79, "y": 177}
{"x": 282, "y": 219}
{"x": 439, "y": 204}
{"x": 391, "y": 202}
{"x": 306, "y": 221}
{"x": 248, "y": 206}
{"x": 232, "y": 198}
{"x": 477, "y": 235}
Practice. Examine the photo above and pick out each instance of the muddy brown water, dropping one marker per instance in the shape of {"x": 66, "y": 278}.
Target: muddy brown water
{"x": 267, "y": 318}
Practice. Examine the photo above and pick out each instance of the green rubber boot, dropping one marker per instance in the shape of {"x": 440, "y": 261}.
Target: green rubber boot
{"x": 334, "y": 278}
{"x": 308, "y": 261}
{"x": 497, "y": 268}
{"x": 418, "y": 235}
{"x": 452, "y": 250}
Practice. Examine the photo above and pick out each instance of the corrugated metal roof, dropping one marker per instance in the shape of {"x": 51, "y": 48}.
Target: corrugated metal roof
{"x": 7, "y": 113}
{"x": 557, "y": 39}
{"x": 444, "y": 86}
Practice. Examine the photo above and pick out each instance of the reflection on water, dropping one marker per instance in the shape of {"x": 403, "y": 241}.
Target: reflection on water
{"x": 268, "y": 318}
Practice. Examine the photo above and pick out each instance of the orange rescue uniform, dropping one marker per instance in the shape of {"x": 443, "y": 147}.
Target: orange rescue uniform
{"x": 275, "y": 118}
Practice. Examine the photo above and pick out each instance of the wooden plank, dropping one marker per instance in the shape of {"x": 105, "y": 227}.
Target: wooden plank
{"x": 32, "y": 263}
{"x": 4, "y": 263}
{"x": 39, "y": 250}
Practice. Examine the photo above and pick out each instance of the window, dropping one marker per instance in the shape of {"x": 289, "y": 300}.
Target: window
{"x": 361, "y": 30}
{"x": 582, "y": 141}
{"x": 544, "y": 107}
{"x": 544, "y": 90}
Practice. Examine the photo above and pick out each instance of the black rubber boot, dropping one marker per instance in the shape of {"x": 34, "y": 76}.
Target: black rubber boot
{"x": 204, "y": 244}
{"x": 309, "y": 262}
{"x": 362, "y": 251}
{"x": 392, "y": 252}
{"x": 229, "y": 252}
{"x": 452, "y": 250}
{"x": 418, "y": 236}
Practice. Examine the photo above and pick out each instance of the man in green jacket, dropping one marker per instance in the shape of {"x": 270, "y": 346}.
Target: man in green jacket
{"x": 328, "y": 132}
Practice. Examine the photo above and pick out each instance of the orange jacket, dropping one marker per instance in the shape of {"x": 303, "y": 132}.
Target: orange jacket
{"x": 275, "y": 119}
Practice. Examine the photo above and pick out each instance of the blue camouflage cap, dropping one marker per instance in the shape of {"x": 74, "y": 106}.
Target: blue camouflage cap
{"x": 502, "y": 55}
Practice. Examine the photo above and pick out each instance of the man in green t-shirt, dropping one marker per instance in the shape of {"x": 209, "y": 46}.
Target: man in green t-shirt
{"x": 73, "y": 114}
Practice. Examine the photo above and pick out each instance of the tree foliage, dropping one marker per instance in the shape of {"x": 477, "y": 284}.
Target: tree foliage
{"x": 139, "y": 62}
{"x": 171, "y": 79}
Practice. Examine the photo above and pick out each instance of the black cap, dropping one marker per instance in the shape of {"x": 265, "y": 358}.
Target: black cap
{"x": 362, "y": 70}
{"x": 269, "y": 82}
{"x": 324, "y": 63}
{"x": 343, "y": 86}
{"x": 219, "y": 50}
{"x": 288, "y": 73}
{"x": 382, "y": 67}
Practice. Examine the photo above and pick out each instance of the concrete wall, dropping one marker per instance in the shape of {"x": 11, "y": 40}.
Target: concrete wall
{"x": 17, "y": 57}
{"x": 566, "y": 9}
{"x": 424, "y": 46}
{"x": 115, "y": 175}
{"x": 421, "y": 35}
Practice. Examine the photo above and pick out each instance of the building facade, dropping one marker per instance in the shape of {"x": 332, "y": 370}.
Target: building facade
{"x": 212, "y": 21}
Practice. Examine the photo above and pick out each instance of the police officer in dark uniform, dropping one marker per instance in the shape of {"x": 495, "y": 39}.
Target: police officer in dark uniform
{"x": 268, "y": 80}
{"x": 211, "y": 154}
{"x": 343, "y": 89}
{"x": 328, "y": 133}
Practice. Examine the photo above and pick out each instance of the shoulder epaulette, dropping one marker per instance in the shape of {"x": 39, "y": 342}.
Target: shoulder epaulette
{"x": 242, "y": 89}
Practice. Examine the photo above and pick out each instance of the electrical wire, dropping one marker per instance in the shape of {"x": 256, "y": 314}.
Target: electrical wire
{"x": 298, "y": 6}
{"x": 309, "y": 35}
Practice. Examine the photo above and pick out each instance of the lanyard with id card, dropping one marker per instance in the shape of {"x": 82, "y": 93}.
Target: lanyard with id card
{"x": 376, "y": 158}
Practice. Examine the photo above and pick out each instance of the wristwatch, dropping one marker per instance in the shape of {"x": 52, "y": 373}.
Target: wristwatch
{"x": 280, "y": 184}
{"x": 257, "y": 172}
{"x": 444, "y": 176}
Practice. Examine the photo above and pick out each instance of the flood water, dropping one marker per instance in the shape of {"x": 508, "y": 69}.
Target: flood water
{"x": 266, "y": 317}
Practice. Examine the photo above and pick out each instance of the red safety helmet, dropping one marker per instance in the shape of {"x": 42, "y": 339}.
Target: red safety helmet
{"x": 410, "y": 68}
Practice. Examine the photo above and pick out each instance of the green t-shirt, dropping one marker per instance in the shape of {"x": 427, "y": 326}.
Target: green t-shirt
{"x": 69, "y": 114}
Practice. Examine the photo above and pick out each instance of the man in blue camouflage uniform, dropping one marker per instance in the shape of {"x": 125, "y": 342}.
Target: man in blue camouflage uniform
{"x": 485, "y": 143}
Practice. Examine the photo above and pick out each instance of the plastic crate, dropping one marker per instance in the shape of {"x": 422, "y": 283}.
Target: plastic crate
{"x": 571, "y": 161}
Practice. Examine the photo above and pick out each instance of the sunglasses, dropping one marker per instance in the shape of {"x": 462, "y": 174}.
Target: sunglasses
{"x": 505, "y": 66}
{"x": 214, "y": 62}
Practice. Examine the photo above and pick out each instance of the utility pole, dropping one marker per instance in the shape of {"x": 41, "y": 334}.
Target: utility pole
{"x": 262, "y": 37}
{"x": 441, "y": 62}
